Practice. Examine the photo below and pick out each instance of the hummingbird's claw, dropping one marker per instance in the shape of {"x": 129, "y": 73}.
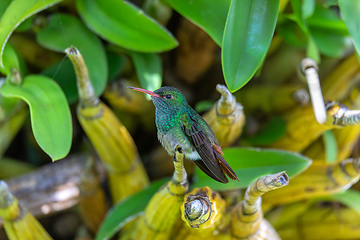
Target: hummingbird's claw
{"x": 178, "y": 148}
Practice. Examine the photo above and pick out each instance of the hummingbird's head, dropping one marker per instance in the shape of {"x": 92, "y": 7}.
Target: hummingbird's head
{"x": 165, "y": 98}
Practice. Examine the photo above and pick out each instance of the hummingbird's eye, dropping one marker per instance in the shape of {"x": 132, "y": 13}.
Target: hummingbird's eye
{"x": 169, "y": 96}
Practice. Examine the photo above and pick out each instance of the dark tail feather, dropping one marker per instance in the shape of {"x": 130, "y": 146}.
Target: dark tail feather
{"x": 218, "y": 177}
{"x": 225, "y": 166}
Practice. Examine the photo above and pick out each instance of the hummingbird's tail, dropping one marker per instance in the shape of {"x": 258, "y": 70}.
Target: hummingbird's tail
{"x": 225, "y": 166}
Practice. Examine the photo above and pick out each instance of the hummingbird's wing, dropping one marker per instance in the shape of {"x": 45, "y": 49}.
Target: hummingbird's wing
{"x": 223, "y": 164}
{"x": 208, "y": 162}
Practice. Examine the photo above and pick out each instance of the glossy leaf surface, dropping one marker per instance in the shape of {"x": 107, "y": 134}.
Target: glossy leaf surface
{"x": 251, "y": 163}
{"x": 124, "y": 24}
{"x": 312, "y": 50}
{"x": 16, "y": 13}
{"x": 49, "y": 111}
{"x": 116, "y": 64}
{"x": 63, "y": 31}
{"x": 3, "y": 5}
{"x": 350, "y": 11}
{"x": 248, "y": 32}
{"x": 63, "y": 73}
{"x": 122, "y": 211}
{"x": 210, "y": 15}
{"x": 149, "y": 69}
{"x": 323, "y": 32}
{"x": 10, "y": 60}
{"x": 326, "y": 19}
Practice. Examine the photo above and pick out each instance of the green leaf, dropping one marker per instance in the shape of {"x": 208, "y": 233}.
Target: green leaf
{"x": 298, "y": 17}
{"x": 3, "y": 5}
{"x": 326, "y": 19}
{"x": 292, "y": 34}
{"x": 325, "y": 32}
{"x": 312, "y": 50}
{"x": 307, "y": 8}
{"x": 248, "y": 32}
{"x": 251, "y": 163}
{"x": 274, "y": 129}
{"x": 116, "y": 64}
{"x": 330, "y": 44}
{"x": 124, "y": 24}
{"x": 210, "y": 15}
{"x": 63, "y": 73}
{"x": 328, "y": 32}
{"x": 49, "y": 111}
{"x": 26, "y": 25}
{"x": 350, "y": 198}
{"x": 118, "y": 215}
{"x": 16, "y": 13}
{"x": 331, "y": 148}
{"x": 148, "y": 69}
{"x": 10, "y": 60}
{"x": 350, "y": 11}
{"x": 63, "y": 31}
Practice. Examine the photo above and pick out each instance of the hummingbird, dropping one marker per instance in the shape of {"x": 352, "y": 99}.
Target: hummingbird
{"x": 179, "y": 125}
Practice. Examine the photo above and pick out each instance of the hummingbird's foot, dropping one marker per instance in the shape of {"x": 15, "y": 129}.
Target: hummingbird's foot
{"x": 179, "y": 150}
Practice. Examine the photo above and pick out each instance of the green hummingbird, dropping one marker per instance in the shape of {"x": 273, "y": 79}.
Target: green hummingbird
{"x": 179, "y": 125}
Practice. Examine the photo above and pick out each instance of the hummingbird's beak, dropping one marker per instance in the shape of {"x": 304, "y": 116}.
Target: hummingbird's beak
{"x": 145, "y": 91}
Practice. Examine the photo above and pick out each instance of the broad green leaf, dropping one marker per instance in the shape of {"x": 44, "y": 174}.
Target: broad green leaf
{"x": 26, "y": 25}
{"x": 63, "y": 31}
{"x": 248, "y": 32}
{"x": 8, "y": 108}
{"x": 16, "y": 13}
{"x": 49, "y": 111}
{"x": 274, "y": 129}
{"x": 116, "y": 64}
{"x": 251, "y": 163}
{"x": 331, "y": 148}
{"x": 3, "y": 5}
{"x": 292, "y": 34}
{"x": 328, "y": 32}
{"x": 298, "y": 17}
{"x": 307, "y": 8}
{"x": 63, "y": 73}
{"x": 148, "y": 68}
{"x": 210, "y": 15}
{"x": 350, "y": 198}
{"x": 331, "y": 44}
{"x": 312, "y": 50}
{"x": 324, "y": 31}
{"x": 118, "y": 215}
{"x": 326, "y": 19}
{"x": 10, "y": 60}
{"x": 350, "y": 11}
{"x": 124, "y": 24}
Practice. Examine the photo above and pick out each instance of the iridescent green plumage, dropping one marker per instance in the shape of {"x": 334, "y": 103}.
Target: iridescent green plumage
{"x": 179, "y": 125}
